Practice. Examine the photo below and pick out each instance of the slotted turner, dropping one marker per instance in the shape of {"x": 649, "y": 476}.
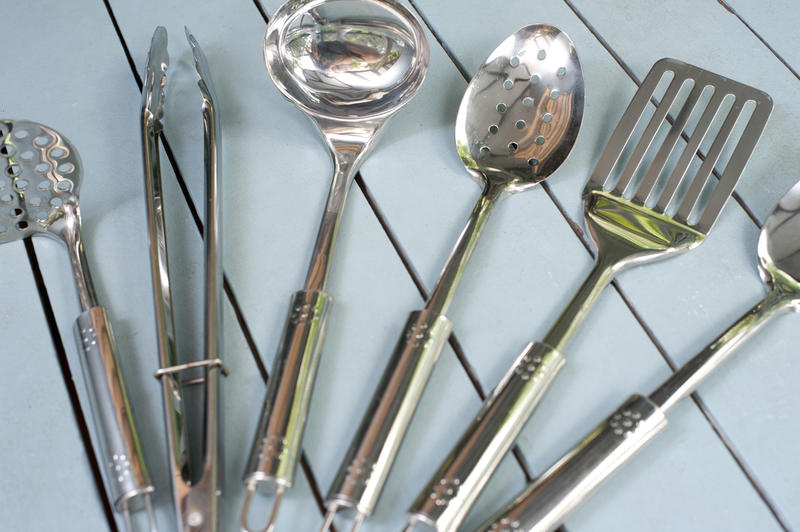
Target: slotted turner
{"x": 39, "y": 196}
{"x": 627, "y": 231}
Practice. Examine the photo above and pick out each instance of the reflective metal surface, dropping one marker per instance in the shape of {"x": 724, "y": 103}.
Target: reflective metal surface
{"x": 546, "y": 503}
{"x": 522, "y": 111}
{"x": 197, "y": 502}
{"x": 349, "y": 65}
{"x": 632, "y": 221}
{"x": 39, "y": 189}
{"x": 518, "y": 121}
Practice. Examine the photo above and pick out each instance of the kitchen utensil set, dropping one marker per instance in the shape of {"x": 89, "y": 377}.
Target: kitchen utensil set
{"x": 631, "y": 222}
{"x": 657, "y": 190}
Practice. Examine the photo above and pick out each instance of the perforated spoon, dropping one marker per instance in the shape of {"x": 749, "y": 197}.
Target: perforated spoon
{"x": 349, "y": 65}
{"x": 545, "y": 503}
{"x": 518, "y": 121}
{"x": 39, "y": 196}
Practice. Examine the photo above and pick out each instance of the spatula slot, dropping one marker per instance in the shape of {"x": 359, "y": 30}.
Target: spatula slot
{"x": 650, "y": 134}
{"x": 694, "y": 117}
{"x": 619, "y": 150}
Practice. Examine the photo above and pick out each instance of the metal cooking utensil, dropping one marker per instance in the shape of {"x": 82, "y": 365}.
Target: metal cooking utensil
{"x": 546, "y": 502}
{"x": 518, "y": 121}
{"x": 196, "y": 499}
{"x": 349, "y": 65}
{"x": 39, "y": 196}
{"x": 651, "y": 212}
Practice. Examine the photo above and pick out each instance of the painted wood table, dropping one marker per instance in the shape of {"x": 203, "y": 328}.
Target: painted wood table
{"x": 729, "y": 459}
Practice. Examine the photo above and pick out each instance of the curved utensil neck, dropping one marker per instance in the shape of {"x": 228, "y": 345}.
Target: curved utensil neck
{"x": 349, "y": 144}
{"x": 685, "y": 380}
{"x": 606, "y": 266}
{"x": 626, "y": 235}
{"x": 445, "y": 289}
{"x": 68, "y": 227}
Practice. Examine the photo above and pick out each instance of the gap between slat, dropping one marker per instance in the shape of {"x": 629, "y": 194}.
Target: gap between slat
{"x": 758, "y": 36}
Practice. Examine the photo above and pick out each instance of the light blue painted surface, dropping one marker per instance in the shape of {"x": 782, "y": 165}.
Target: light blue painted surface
{"x": 71, "y": 73}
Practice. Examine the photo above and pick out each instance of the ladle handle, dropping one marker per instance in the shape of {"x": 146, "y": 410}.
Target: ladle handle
{"x": 366, "y": 465}
{"x": 276, "y": 448}
{"x": 451, "y": 492}
{"x": 121, "y": 455}
{"x": 544, "y": 504}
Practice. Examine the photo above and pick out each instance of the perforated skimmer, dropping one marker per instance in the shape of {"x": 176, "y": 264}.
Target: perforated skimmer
{"x": 518, "y": 121}
{"x": 39, "y": 196}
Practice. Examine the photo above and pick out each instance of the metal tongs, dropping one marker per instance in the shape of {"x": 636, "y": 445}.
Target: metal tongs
{"x": 196, "y": 502}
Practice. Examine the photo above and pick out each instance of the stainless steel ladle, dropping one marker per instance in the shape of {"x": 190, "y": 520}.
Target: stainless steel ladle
{"x": 518, "y": 121}
{"x": 349, "y": 65}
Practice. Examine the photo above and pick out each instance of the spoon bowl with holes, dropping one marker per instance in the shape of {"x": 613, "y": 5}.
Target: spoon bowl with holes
{"x": 39, "y": 189}
{"x": 517, "y": 122}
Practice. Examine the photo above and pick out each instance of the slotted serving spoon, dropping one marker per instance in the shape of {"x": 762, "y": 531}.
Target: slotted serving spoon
{"x": 627, "y": 232}
{"x": 545, "y": 503}
{"x": 518, "y": 121}
{"x": 39, "y": 196}
{"x": 349, "y": 65}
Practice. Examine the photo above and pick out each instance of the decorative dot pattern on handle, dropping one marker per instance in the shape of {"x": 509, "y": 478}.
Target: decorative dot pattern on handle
{"x": 444, "y": 491}
{"x": 120, "y": 468}
{"x": 359, "y": 472}
{"x": 273, "y": 447}
{"x": 625, "y": 421}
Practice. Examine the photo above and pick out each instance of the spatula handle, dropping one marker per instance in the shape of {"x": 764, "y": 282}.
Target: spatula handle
{"x": 544, "y": 504}
{"x": 448, "y": 497}
{"x": 366, "y": 465}
{"x": 121, "y": 455}
{"x": 276, "y": 448}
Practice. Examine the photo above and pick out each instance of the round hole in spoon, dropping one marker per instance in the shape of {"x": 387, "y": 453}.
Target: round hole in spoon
{"x": 29, "y": 192}
{"x": 346, "y": 58}
{"x": 544, "y": 106}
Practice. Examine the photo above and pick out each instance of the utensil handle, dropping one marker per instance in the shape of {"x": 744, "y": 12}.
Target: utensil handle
{"x": 451, "y": 492}
{"x": 120, "y": 452}
{"x": 366, "y": 465}
{"x": 276, "y": 448}
{"x": 546, "y": 502}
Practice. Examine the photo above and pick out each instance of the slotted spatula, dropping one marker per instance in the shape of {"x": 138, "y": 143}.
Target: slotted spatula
{"x": 648, "y": 213}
